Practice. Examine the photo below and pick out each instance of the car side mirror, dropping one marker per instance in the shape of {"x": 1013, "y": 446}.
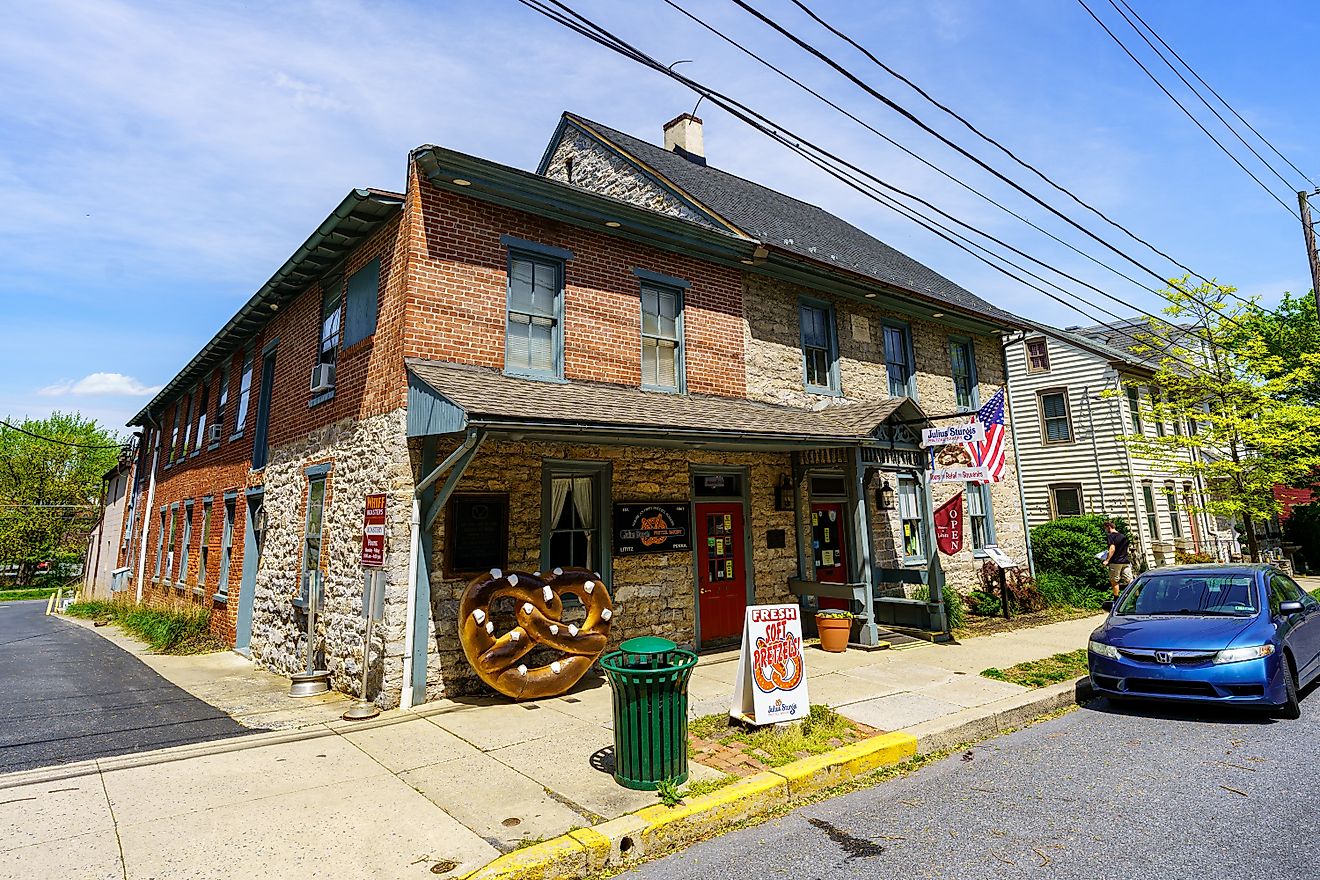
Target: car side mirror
{"x": 1107, "y": 605}
{"x": 1290, "y": 607}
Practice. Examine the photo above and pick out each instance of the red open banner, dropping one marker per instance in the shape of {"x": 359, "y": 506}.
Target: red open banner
{"x": 949, "y": 525}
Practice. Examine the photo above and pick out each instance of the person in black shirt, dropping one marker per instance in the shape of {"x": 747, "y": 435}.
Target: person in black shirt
{"x": 1118, "y": 559}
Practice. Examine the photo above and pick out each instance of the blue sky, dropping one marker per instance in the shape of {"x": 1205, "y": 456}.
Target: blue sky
{"x": 163, "y": 159}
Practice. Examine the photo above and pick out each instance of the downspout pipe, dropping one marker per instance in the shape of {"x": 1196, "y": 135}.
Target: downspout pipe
{"x": 146, "y": 509}
{"x": 1017, "y": 453}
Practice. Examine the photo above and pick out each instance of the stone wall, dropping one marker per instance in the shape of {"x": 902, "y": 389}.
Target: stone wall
{"x": 606, "y": 172}
{"x": 367, "y": 456}
{"x": 654, "y": 594}
{"x": 774, "y": 374}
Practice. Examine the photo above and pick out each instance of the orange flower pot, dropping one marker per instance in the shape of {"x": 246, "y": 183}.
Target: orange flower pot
{"x": 833, "y": 633}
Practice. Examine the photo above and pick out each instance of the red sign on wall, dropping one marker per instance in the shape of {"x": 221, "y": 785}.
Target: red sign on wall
{"x": 373, "y": 532}
{"x": 949, "y": 525}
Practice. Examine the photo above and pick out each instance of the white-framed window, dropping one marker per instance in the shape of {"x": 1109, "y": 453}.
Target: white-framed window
{"x": 534, "y": 334}
{"x": 244, "y": 394}
{"x": 186, "y": 541}
{"x": 820, "y": 346}
{"x": 331, "y": 322}
{"x": 203, "y": 548}
{"x": 898, "y": 359}
{"x": 222, "y": 399}
{"x": 962, "y": 365}
{"x": 1148, "y": 502}
{"x": 1134, "y": 408}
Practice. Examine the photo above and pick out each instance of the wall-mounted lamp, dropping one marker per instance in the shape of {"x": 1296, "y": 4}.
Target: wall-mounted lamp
{"x": 784, "y": 493}
{"x": 884, "y": 496}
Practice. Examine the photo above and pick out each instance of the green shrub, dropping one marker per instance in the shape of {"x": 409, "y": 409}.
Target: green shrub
{"x": 984, "y": 604}
{"x": 1061, "y": 591}
{"x": 954, "y": 608}
{"x": 1068, "y": 547}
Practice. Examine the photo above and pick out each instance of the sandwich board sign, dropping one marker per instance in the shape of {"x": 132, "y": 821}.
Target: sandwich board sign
{"x": 771, "y": 684}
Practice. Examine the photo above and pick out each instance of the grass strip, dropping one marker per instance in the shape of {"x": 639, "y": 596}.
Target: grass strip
{"x": 1040, "y": 673}
{"x": 180, "y": 629}
{"x": 821, "y": 731}
{"x": 30, "y": 593}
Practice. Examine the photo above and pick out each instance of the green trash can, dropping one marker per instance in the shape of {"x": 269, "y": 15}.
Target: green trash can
{"x": 649, "y": 676}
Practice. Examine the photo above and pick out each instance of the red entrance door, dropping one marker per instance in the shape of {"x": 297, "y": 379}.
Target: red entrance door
{"x": 827, "y": 548}
{"x": 721, "y": 575}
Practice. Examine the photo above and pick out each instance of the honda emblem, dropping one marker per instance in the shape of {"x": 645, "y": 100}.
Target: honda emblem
{"x": 1163, "y": 657}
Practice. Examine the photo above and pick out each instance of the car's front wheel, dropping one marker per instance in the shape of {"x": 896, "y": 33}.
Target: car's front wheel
{"x": 1292, "y": 707}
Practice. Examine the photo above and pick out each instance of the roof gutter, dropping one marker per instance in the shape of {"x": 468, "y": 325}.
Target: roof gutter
{"x": 252, "y": 316}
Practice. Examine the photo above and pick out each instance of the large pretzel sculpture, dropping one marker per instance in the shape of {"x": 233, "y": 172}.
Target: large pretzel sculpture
{"x": 497, "y": 658}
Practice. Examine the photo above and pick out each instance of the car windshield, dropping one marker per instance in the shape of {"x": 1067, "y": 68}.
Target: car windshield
{"x": 1190, "y": 593}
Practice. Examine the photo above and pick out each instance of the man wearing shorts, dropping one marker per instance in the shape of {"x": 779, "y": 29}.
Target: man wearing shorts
{"x": 1118, "y": 559}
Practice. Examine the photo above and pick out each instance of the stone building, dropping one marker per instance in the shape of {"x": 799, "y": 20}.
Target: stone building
{"x": 550, "y": 369}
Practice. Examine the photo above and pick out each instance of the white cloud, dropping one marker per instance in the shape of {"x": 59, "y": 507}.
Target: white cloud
{"x": 116, "y": 384}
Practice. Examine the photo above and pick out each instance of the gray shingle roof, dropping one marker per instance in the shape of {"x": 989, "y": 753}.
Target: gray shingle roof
{"x": 790, "y": 224}
{"x": 489, "y": 396}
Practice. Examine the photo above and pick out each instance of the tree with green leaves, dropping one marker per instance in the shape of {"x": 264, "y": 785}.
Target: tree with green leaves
{"x": 1239, "y": 383}
{"x": 51, "y": 473}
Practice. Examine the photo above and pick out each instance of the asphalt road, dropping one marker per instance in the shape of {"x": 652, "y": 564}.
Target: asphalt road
{"x": 1099, "y": 793}
{"x": 67, "y": 694}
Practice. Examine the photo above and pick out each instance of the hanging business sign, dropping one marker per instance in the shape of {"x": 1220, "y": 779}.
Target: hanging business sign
{"x": 650, "y": 527}
{"x": 373, "y": 532}
{"x": 954, "y": 463}
{"x": 949, "y": 525}
{"x": 771, "y": 683}
{"x": 965, "y": 432}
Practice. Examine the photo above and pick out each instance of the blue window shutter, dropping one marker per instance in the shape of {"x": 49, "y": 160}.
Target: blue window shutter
{"x": 363, "y": 299}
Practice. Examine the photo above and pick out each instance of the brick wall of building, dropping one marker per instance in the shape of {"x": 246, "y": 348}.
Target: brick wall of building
{"x": 458, "y": 289}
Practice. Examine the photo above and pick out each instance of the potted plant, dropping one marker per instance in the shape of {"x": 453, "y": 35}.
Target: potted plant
{"x": 834, "y": 627}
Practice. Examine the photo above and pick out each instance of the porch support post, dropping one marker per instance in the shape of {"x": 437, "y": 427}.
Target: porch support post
{"x": 934, "y": 571}
{"x": 804, "y": 565}
{"x": 863, "y": 571}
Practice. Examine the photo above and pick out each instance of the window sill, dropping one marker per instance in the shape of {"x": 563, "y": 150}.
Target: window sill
{"x": 195, "y": 453}
{"x": 662, "y": 389}
{"x": 199, "y": 591}
{"x": 220, "y": 598}
{"x": 323, "y": 397}
{"x": 914, "y": 561}
{"x": 824, "y": 392}
{"x": 238, "y": 436}
{"x": 540, "y": 377}
{"x": 299, "y": 602}
{"x": 213, "y": 447}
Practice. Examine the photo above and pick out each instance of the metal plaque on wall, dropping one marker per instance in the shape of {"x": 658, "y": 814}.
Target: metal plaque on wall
{"x": 652, "y": 527}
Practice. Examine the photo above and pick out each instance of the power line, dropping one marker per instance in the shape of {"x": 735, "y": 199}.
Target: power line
{"x": 600, "y": 35}
{"x": 1188, "y": 113}
{"x": 809, "y": 90}
{"x": 1220, "y": 97}
{"x": 1199, "y": 96}
{"x": 888, "y": 102}
{"x": 61, "y": 442}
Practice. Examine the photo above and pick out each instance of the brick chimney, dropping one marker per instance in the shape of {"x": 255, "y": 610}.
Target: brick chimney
{"x": 683, "y": 136}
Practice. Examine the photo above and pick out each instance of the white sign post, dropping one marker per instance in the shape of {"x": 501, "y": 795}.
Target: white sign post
{"x": 771, "y": 685}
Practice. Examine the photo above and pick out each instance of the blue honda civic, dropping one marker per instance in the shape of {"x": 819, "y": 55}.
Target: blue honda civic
{"x": 1229, "y": 634}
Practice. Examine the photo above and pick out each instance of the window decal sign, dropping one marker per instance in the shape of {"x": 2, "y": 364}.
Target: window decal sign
{"x": 649, "y": 527}
{"x": 771, "y": 684}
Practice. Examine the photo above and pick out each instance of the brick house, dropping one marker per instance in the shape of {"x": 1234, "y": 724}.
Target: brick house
{"x": 525, "y": 363}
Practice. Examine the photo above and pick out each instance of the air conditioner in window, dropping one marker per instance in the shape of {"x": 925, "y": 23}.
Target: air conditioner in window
{"x": 213, "y": 433}
{"x": 323, "y": 377}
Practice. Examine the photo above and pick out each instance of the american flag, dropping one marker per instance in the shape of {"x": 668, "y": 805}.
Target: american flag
{"x": 990, "y": 452}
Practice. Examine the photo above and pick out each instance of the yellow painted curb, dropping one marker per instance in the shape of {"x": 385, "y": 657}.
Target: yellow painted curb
{"x": 596, "y": 847}
{"x": 671, "y": 827}
{"x": 564, "y": 856}
{"x": 808, "y": 775}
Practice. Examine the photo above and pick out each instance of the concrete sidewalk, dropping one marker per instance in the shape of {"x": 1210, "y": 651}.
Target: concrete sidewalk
{"x": 438, "y": 791}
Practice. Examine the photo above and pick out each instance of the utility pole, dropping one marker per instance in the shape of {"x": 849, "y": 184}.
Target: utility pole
{"x": 1308, "y": 230}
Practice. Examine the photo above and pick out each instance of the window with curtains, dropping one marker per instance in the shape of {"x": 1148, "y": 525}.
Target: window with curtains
{"x": 1148, "y": 501}
{"x": 662, "y": 337}
{"x": 1134, "y": 408}
{"x": 980, "y": 516}
{"x": 533, "y": 340}
{"x": 1038, "y": 356}
{"x": 913, "y": 523}
{"x": 575, "y": 504}
{"x": 963, "y": 368}
{"x": 1056, "y": 425}
{"x": 898, "y": 360}
{"x": 203, "y": 404}
{"x": 331, "y": 323}
{"x": 244, "y": 395}
{"x": 222, "y": 399}
{"x": 819, "y": 347}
